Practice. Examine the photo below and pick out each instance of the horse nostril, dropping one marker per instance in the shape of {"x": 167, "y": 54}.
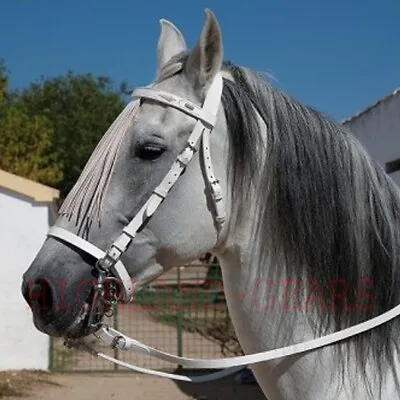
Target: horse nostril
{"x": 40, "y": 296}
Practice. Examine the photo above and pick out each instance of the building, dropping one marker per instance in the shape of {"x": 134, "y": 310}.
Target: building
{"x": 27, "y": 209}
{"x": 378, "y": 129}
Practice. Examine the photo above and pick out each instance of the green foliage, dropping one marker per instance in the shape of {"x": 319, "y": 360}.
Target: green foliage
{"x": 49, "y": 129}
{"x": 80, "y": 108}
{"x": 25, "y": 140}
{"x": 25, "y": 143}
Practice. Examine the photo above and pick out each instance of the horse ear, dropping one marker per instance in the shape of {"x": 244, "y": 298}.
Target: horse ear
{"x": 170, "y": 43}
{"x": 205, "y": 60}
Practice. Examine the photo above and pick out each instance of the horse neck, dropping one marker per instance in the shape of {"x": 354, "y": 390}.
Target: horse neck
{"x": 260, "y": 314}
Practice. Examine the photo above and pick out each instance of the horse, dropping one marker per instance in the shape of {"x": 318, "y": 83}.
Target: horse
{"x": 305, "y": 224}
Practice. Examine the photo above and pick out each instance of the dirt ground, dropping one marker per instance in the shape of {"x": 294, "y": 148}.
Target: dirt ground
{"x": 29, "y": 385}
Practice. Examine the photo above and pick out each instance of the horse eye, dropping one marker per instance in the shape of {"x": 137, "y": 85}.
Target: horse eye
{"x": 150, "y": 152}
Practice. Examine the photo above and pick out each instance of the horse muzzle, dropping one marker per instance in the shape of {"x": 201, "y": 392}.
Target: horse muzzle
{"x": 67, "y": 302}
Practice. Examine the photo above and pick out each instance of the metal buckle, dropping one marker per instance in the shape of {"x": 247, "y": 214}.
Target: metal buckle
{"x": 115, "y": 342}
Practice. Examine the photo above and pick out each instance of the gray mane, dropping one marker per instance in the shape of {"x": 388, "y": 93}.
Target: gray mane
{"x": 326, "y": 211}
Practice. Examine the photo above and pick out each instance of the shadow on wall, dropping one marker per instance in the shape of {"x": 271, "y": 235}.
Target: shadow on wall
{"x": 225, "y": 388}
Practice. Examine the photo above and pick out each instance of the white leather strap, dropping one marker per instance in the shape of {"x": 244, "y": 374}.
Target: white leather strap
{"x": 118, "y": 340}
{"x": 202, "y": 126}
{"x": 204, "y": 114}
{"x": 206, "y": 117}
{"x": 161, "y": 191}
{"x": 194, "y": 379}
{"x": 118, "y": 270}
{"x": 213, "y": 183}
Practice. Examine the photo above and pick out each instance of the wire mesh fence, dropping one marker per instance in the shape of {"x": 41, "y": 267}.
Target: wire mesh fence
{"x": 183, "y": 313}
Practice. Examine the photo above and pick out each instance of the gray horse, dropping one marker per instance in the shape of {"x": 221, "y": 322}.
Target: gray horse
{"x": 309, "y": 243}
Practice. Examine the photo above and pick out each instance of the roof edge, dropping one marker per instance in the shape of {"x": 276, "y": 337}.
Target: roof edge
{"x": 27, "y": 187}
{"x": 370, "y": 107}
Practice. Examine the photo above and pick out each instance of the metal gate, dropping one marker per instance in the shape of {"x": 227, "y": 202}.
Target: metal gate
{"x": 183, "y": 313}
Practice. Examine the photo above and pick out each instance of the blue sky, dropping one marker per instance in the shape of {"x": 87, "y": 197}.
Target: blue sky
{"x": 338, "y": 56}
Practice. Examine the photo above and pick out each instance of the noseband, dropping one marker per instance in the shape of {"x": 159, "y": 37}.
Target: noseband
{"x": 111, "y": 269}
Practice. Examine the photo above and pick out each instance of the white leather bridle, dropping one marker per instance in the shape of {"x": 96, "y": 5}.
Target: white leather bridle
{"x": 109, "y": 262}
{"x": 206, "y": 117}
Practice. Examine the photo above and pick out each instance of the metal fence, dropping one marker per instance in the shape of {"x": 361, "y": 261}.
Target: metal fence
{"x": 184, "y": 313}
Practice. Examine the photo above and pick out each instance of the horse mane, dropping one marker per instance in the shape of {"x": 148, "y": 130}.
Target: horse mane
{"x": 326, "y": 212}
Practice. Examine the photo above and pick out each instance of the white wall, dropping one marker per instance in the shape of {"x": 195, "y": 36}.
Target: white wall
{"x": 23, "y": 227}
{"x": 379, "y": 131}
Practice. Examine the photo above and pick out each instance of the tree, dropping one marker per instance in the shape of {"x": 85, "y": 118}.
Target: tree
{"x": 3, "y": 80}
{"x": 25, "y": 139}
{"x": 25, "y": 143}
{"x": 80, "y": 108}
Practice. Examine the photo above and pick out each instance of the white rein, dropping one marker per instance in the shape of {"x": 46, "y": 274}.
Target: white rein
{"x": 118, "y": 340}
